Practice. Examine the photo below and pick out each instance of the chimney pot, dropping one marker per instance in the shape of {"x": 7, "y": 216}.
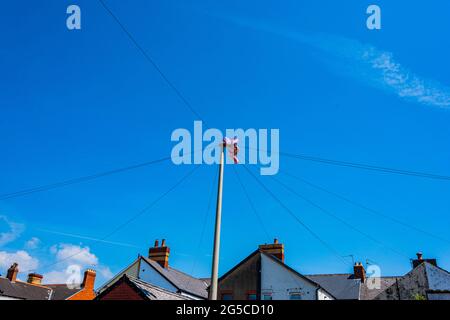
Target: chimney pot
{"x": 34, "y": 278}
{"x": 420, "y": 260}
{"x": 419, "y": 256}
{"x": 160, "y": 254}
{"x": 276, "y": 249}
{"x": 12, "y": 272}
{"x": 359, "y": 272}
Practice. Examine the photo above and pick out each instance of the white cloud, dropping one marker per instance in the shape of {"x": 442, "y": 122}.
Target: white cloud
{"x": 23, "y": 258}
{"x": 55, "y": 277}
{"x": 74, "y": 254}
{"x": 33, "y": 243}
{"x": 15, "y": 230}
{"x": 72, "y": 260}
{"x": 105, "y": 272}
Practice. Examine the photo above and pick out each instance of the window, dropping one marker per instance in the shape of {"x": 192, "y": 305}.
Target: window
{"x": 295, "y": 296}
{"x": 267, "y": 296}
{"x": 227, "y": 296}
{"x": 251, "y": 296}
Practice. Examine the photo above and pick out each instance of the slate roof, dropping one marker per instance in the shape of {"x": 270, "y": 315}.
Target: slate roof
{"x": 144, "y": 289}
{"x": 182, "y": 281}
{"x": 425, "y": 277}
{"x": 438, "y": 278}
{"x": 155, "y": 293}
{"x": 341, "y": 286}
{"x": 23, "y": 290}
{"x": 28, "y": 291}
{"x": 61, "y": 291}
{"x": 369, "y": 293}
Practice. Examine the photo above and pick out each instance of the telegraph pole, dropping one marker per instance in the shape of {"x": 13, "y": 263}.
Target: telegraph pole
{"x": 215, "y": 260}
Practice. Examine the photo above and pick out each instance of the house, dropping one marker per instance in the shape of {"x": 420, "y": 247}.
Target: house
{"x": 353, "y": 286}
{"x": 129, "y": 288}
{"x": 263, "y": 275}
{"x": 12, "y": 288}
{"x": 156, "y": 273}
{"x": 425, "y": 281}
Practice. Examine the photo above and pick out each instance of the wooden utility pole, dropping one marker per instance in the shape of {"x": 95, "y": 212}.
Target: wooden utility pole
{"x": 215, "y": 260}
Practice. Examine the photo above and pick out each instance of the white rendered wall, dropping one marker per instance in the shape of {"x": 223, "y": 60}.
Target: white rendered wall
{"x": 281, "y": 282}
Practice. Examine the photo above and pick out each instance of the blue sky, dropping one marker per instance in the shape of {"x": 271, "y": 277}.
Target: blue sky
{"x": 79, "y": 102}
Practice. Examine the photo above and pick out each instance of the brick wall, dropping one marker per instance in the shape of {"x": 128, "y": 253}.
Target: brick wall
{"x": 84, "y": 294}
{"x": 122, "y": 292}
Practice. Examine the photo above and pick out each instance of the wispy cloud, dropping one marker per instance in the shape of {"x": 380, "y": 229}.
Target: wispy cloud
{"x": 366, "y": 63}
{"x": 13, "y": 232}
{"x": 77, "y": 236}
{"x": 33, "y": 243}
{"x": 363, "y": 62}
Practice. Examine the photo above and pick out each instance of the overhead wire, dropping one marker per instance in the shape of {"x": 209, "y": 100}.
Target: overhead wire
{"x": 366, "y": 208}
{"x": 69, "y": 182}
{"x": 152, "y": 61}
{"x": 334, "y": 216}
{"x": 128, "y": 221}
{"x": 252, "y": 205}
{"x": 296, "y": 218}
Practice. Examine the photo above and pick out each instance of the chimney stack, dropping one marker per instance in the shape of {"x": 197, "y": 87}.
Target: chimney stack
{"x": 160, "y": 254}
{"x": 12, "y": 272}
{"x": 34, "y": 278}
{"x": 89, "y": 279}
{"x": 276, "y": 249}
{"x": 359, "y": 272}
{"x": 420, "y": 260}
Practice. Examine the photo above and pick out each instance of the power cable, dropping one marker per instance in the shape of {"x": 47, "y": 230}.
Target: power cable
{"x": 151, "y": 60}
{"x": 367, "y": 167}
{"x": 252, "y": 205}
{"x": 296, "y": 218}
{"x": 361, "y": 206}
{"x": 360, "y": 165}
{"x": 65, "y": 183}
{"x": 121, "y": 226}
{"x": 327, "y": 212}
{"x": 205, "y": 221}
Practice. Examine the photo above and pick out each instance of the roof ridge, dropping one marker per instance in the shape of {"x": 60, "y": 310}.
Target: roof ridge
{"x": 170, "y": 274}
{"x": 33, "y": 284}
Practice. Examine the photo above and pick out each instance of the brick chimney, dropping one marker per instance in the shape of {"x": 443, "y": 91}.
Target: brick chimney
{"x": 359, "y": 272}
{"x": 89, "y": 279}
{"x": 12, "y": 272}
{"x": 35, "y": 278}
{"x": 420, "y": 260}
{"x": 160, "y": 254}
{"x": 276, "y": 249}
